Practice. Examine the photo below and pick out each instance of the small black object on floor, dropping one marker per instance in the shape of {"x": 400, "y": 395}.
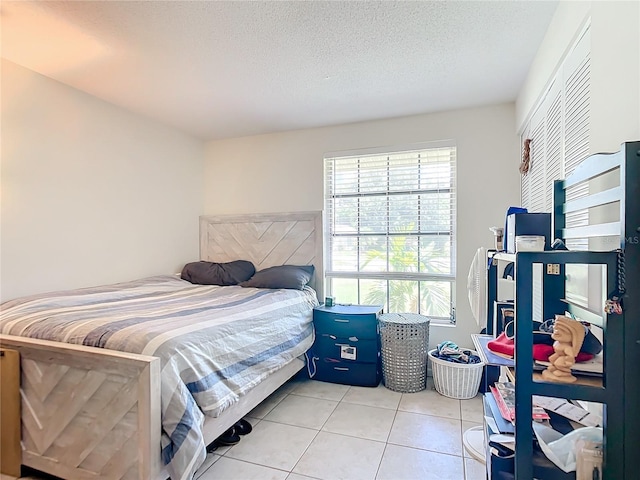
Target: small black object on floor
{"x": 243, "y": 427}
{"x": 231, "y": 436}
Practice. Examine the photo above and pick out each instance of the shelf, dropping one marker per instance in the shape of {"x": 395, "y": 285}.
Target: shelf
{"x": 507, "y": 257}
{"x": 486, "y": 355}
{"x": 588, "y": 388}
{"x": 585, "y": 388}
{"x": 542, "y": 467}
{"x": 546, "y": 469}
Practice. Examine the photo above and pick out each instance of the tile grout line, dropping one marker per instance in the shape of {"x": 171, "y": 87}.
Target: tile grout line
{"x": 464, "y": 464}
{"x": 316, "y": 435}
{"x": 385, "y": 442}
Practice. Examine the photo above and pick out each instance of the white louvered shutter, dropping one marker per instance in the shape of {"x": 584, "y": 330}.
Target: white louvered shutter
{"x": 576, "y": 136}
{"x": 559, "y": 133}
{"x": 554, "y": 146}
{"x": 537, "y": 201}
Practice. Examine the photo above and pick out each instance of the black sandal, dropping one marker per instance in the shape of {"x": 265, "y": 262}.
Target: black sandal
{"x": 228, "y": 438}
{"x": 243, "y": 427}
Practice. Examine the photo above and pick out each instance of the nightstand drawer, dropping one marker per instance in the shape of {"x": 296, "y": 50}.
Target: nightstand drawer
{"x": 352, "y": 349}
{"x": 347, "y": 321}
{"x": 348, "y": 373}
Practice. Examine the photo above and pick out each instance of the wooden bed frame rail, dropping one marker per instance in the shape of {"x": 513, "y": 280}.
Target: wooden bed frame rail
{"x": 88, "y": 413}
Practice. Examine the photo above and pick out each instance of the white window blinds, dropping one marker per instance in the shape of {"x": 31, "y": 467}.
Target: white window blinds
{"x": 391, "y": 229}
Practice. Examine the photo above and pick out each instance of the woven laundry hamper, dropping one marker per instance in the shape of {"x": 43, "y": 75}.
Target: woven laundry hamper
{"x": 404, "y": 342}
{"x": 456, "y": 380}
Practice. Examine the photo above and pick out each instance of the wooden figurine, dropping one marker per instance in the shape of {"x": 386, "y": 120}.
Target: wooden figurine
{"x": 568, "y": 335}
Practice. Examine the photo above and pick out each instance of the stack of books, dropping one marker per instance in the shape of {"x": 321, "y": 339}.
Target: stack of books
{"x": 504, "y": 394}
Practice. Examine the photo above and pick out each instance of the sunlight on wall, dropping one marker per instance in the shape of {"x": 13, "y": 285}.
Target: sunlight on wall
{"x": 34, "y": 38}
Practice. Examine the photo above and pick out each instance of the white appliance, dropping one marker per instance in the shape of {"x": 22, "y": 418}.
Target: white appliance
{"x": 477, "y": 287}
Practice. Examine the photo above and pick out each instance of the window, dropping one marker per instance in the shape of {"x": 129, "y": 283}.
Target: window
{"x": 391, "y": 230}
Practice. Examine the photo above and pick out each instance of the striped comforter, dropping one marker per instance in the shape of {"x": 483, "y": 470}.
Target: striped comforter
{"x": 214, "y": 343}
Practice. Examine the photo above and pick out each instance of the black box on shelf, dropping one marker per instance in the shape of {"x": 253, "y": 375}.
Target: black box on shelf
{"x": 528, "y": 224}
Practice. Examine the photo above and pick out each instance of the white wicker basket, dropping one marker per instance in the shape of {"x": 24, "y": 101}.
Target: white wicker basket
{"x": 456, "y": 380}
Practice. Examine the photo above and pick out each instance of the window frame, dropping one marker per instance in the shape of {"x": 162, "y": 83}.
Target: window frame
{"x": 422, "y": 278}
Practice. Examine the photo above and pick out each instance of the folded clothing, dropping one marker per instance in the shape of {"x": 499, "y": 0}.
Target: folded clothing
{"x": 503, "y": 345}
{"x": 450, "y": 352}
{"x": 590, "y": 344}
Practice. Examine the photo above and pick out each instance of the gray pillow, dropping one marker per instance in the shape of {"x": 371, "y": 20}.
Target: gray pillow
{"x": 284, "y": 276}
{"x": 212, "y": 273}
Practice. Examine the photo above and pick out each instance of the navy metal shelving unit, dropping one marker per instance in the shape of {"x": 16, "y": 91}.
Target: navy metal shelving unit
{"x": 611, "y": 395}
{"x": 619, "y": 390}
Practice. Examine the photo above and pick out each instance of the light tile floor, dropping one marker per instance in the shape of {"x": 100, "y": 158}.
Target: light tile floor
{"x": 316, "y": 430}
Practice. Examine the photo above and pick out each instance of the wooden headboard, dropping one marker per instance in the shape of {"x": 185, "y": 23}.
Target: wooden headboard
{"x": 266, "y": 240}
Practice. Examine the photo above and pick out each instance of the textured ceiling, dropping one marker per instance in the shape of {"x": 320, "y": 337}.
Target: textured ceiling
{"x": 226, "y": 69}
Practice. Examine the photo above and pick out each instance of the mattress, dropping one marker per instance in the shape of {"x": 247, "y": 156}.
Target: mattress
{"x": 214, "y": 343}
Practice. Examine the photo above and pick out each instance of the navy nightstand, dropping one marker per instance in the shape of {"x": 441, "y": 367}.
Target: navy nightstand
{"x": 347, "y": 344}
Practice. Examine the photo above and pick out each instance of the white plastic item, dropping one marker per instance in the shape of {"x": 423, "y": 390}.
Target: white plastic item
{"x": 456, "y": 380}
{"x": 477, "y": 287}
{"x": 498, "y": 233}
{"x": 560, "y": 449}
{"x": 529, "y": 243}
{"x": 473, "y": 441}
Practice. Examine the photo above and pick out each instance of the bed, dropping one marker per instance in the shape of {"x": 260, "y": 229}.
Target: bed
{"x": 91, "y": 412}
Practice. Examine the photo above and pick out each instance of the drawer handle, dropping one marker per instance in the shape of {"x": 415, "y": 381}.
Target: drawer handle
{"x": 344, "y": 369}
{"x": 353, "y": 339}
{"x": 340, "y": 320}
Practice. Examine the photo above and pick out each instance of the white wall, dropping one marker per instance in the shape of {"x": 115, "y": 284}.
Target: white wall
{"x": 615, "y": 68}
{"x": 561, "y": 34}
{"x": 283, "y": 172}
{"x": 615, "y": 74}
{"x": 615, "y": 89}
{"x": 90, "y": 194}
